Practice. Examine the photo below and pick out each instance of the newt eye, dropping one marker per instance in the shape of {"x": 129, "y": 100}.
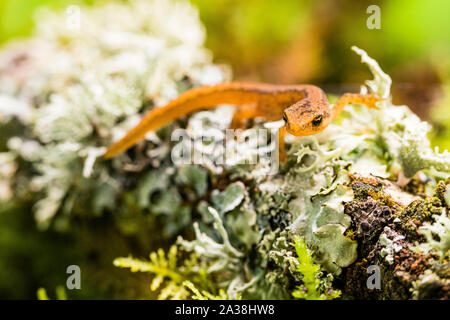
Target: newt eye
{"x": 285, "y": 117}
{"x": 317, "y": 120}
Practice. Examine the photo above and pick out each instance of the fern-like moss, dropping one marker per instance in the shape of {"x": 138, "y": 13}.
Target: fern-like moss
{"x": 170, "y": 274}
{"x": 310, "y": 289}
{"x": 205, "y": 295}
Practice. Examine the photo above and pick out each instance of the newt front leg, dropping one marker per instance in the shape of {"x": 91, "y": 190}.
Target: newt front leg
{"x": 354, "y": 98}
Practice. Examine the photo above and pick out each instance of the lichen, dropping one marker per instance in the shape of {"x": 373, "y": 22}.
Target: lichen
{"x": 390, "y": 247}
{"x": 440, "y": 230}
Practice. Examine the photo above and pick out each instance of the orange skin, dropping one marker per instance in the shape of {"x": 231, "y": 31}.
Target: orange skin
{"x": 304, "y": 108}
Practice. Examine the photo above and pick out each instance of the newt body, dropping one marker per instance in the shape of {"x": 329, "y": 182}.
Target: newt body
{"x": 304, "y": 108}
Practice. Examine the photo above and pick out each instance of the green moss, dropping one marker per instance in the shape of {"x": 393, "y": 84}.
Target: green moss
{"x": 421, "y": 210}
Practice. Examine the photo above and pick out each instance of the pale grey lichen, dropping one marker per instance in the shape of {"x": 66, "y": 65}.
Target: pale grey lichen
{"x": 225, "y": 253}
{"x": 223, "y": 256}
{"x": 322, "y": 222}
{"x": 390, "y": 247}
{"x": 437, "y": 235}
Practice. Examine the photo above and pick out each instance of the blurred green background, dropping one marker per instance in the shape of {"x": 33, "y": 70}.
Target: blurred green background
{"x": 289, "y": 41}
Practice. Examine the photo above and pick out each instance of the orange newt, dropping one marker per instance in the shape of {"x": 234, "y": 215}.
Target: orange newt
{"x": 304, "y": 108}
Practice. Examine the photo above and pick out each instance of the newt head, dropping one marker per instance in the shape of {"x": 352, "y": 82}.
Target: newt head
{"x": 301, "y": 121}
